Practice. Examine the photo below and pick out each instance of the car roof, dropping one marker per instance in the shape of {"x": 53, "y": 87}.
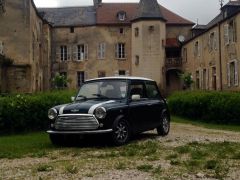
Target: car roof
{"x": 121, "y": 78}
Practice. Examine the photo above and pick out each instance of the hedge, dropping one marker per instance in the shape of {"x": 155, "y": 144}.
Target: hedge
{"x": 217, "y": 107}
{"x": 19, "y": 113}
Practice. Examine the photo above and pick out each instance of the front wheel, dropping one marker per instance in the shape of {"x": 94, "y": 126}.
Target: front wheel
{"x": 121, "y": 132}
{"x": 164, "y": 127}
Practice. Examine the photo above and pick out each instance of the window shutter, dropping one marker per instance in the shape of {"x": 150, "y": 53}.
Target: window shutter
{"x": 69, "y": 53}
{"x": 228, "y": 75}
{"x": 86, "y": 51}
{"x": 226, "y": 34}
{"x": 236, "y": 73}
{"x": 215, "y": 41}
{"x": 116, "y": 51}
{"x": 99, "y": 51}
{"x": 58, "y": 53}
{"x": 75, "y": 53}
{"x": 1, "y": 47}
{"x": 207, "y": 79}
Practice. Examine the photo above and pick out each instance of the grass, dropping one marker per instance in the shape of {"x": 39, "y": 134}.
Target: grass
{"x": 177, "y": 119}
{"x": 18, "y": 146}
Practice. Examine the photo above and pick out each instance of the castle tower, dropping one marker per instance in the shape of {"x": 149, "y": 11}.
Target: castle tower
{"x": 148, "y": 37}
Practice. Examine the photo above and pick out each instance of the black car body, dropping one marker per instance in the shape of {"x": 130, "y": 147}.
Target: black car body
{"x": 120, "y": 106}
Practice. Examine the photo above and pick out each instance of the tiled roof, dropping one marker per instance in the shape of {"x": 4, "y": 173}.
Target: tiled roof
{"x": 106, "y": 14}
{"x": 148, "y": 9}
{"x": 233, "y": 3}
{"x": 69, "y": 16}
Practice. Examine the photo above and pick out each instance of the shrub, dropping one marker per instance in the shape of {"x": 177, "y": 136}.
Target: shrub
{"x": 20, "y": 113}
{"x": 217, "y": 107}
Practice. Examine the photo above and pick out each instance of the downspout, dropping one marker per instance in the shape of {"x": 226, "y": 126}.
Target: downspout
{"x": 220, "y": 56}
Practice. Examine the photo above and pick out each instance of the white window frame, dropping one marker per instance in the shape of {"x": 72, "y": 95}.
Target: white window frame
{"x": 82, "y": 52}
{"x": 64, "y": 53}
{"x": 1, "y": 47}
{"x": 101, "y": 51}
{"x": 197, "y": 49}
{"x": 236, "y": 75}
{"x": 120, "y": 51}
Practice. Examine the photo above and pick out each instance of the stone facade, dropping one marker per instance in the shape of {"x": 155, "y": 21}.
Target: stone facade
{"x": 213, "y": 56}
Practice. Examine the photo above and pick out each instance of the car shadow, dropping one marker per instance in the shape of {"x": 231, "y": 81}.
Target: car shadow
{"x": 102, "y": 141}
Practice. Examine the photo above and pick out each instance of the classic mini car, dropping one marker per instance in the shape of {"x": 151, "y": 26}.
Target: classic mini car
{"x": 120, "y": 106}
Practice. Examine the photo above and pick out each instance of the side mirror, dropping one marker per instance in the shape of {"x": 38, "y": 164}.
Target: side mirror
{"x": 72, "y": 99}
{"x": 135, "y": 97}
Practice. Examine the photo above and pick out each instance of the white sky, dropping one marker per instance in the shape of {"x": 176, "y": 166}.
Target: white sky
{"x": 201, "y": 10}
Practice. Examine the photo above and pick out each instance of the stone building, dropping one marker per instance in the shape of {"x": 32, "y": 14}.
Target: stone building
{"x": 106, "y": 39}
{"x": 212, "y": 55}
{"x": 25, "y": 38}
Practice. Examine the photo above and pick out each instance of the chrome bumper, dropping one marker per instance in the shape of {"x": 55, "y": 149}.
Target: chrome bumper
{"x": 80, "y": 132}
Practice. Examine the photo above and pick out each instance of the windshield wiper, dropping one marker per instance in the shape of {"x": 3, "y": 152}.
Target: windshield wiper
{"x": 82, "y": 97}
{"x": 101, "y": 96}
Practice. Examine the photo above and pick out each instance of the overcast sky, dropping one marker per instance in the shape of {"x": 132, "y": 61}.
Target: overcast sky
{"x": 201, "y": 10}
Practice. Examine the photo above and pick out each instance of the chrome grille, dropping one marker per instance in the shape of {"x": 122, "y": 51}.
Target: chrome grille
{"x": 76, "y": 122}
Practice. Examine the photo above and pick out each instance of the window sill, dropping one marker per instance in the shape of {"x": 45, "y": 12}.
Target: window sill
{"x": 121, "y": 59}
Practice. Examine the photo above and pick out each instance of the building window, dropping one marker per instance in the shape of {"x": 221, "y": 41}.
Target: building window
{"x": 197, "y": 80}
{"x": 136, "y": 32}
{"x": 82, "y": 52}
{"x": 196, "y": 49}
{"x": 122, "y": 72}
{"x": 1, "y": 47}
{"x": 232, "y": 73}
{"x": 71, "y": 29}
{"x": 230, "y": 33}
{"x": 184, "y": 54}
{"x": 214, "y": 78}
{"x": 64, "y": 74}
{"x": 137, "y": 60}
{"x": 64, "y": 53}
{"x": 80, "y": 78}
{"x": 120, "y": 51}
{"x": 205, "y": 79}
{"x": 212, "y": 41}
{"x": 121, "y": 16}
{"x": 101, "y": 50}
{"x": 2, "y": 6}
{"x": 121, "y": 30}
{"x": 101, "y": 74}
{"x": 151, "y": 28}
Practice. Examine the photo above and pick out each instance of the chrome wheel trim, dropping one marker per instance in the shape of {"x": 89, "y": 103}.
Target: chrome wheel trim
{"x": 121, "y": 132}
{"x": 165, "y": 124}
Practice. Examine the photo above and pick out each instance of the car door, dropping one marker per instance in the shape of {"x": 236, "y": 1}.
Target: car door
{"x": 138, "y": 109}
{"x": 155, "y": 103}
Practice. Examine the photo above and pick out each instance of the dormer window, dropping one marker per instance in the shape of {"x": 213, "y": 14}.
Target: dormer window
{"x": 121, "y": 16}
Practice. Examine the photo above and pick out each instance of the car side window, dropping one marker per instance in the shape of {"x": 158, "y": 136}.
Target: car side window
{"x": 152, "y": 90}
{"x": 137, "y": 88}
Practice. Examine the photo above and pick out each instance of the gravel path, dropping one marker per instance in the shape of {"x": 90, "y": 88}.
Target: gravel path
{"x": 181, "y": 134}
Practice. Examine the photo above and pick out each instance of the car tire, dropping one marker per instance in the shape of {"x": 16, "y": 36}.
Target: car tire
{"x": 164, "y": 127}
{"x": 56, "y": 139}
{"x": 121, "y": 132}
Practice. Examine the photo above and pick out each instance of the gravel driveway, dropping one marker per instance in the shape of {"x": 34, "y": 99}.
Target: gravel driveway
{"x": 65, "y": 165}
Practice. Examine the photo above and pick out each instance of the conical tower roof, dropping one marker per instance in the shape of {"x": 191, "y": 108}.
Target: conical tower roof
{"x": 148, "y": 10}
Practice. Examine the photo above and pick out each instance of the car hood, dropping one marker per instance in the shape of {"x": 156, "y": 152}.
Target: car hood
{"x": 85, "y": 107}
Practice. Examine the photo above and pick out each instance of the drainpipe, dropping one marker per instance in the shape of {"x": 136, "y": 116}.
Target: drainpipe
{"x": 220, "y": 56}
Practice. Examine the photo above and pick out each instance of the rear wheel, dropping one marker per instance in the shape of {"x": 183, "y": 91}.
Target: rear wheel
{"x": 164, "y": 127}
{"x": 121, "y": 132}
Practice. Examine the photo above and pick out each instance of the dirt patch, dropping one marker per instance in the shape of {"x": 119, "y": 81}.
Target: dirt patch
{"x": 70, "y": 163}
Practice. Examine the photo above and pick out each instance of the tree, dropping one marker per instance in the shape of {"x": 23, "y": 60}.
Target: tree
{"x": 60, "y": 81}
{"x": 187, "y": 80}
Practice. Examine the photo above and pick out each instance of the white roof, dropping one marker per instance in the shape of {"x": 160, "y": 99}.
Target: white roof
{"x": 121, "y": 77}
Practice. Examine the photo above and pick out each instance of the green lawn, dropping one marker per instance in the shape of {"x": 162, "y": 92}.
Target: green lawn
{"x": 206, "y": 125}
{"x": 17, "y": 146}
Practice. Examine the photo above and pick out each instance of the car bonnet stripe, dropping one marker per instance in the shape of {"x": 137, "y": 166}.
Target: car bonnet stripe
{"x": 61, "y": 109}
{"x": 92, "y": 108}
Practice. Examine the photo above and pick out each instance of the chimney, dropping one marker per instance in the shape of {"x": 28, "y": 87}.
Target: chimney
{"x": 97, "y": 3}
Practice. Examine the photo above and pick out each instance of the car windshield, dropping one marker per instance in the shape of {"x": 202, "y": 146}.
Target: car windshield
{"x": 107, "y": 89}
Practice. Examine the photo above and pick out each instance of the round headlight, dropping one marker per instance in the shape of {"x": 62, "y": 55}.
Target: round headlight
{"x": 100, "y": 113}
{"x": 52, "y": 114}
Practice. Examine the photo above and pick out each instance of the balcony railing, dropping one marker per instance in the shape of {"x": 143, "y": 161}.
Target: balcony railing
{"x": 173, "y": 63}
